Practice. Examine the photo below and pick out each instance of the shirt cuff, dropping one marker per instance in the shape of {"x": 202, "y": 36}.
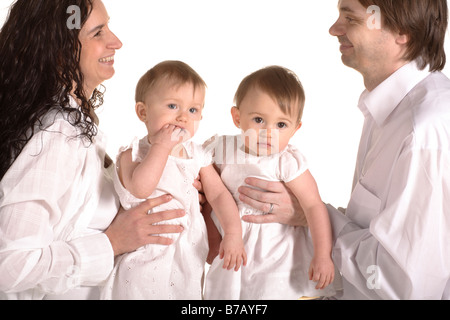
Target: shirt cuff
{"x": 96, "y": 258}
{"x": 338, "y": 221}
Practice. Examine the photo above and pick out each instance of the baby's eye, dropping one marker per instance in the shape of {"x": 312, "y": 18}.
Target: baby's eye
{"x": 172, "y": 106}
{"x": 193, "y": 110}
{"x": 258, "y": 120}
{"x": 282, "y": 125}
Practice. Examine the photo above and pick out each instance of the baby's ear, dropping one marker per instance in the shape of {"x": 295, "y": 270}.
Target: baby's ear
{"x": 236, "y": 114}
{"x": 141, "y": 111}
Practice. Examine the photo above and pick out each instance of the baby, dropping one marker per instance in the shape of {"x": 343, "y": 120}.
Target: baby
{"x": 282, "y": 260}
{"x": 169, "y": 100}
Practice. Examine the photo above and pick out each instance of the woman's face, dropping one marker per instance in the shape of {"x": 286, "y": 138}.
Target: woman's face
{"x": 99, "y": 45}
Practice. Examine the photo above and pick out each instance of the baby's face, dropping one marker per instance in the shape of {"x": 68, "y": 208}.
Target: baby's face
{"x": 265, "y": 128}
{"x": 180, "y": 106}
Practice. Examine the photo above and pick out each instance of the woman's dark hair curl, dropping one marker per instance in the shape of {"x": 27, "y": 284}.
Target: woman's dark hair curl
{"x": 39, "y": 70}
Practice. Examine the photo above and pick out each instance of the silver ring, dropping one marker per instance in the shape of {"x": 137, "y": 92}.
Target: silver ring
{"x": 271, "y": 209}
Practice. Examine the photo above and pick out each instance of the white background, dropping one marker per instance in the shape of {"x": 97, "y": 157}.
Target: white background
{"x": 226, "y": 40}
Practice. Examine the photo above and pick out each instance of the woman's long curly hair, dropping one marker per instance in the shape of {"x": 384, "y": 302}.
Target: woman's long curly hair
{"x": 39, "y": 69}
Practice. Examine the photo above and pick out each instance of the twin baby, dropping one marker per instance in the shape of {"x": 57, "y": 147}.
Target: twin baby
{"x": 270, "y": 261}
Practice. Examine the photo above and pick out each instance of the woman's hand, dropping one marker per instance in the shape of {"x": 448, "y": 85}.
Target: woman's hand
{"x": 135, "y": 228}
{"x": 285, "y": 210}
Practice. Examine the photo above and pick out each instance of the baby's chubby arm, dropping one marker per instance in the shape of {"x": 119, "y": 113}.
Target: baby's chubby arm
{"x": 307, "y": 193}
{"x": 141, "y": 178}
{"x": 232, "y": 246}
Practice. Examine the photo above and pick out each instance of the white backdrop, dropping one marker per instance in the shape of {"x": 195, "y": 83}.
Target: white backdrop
{"x": 226, "y": 40}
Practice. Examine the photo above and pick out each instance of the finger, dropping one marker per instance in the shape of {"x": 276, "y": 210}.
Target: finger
{"x": 321, "y": 282}
{"x": 162, "y": 216}
{"x": 232, "y": 262}
{"x": 149, "y": 204}
{"x": 270, "y": 186}
{"x": 164, "y": 229}
{"x": 249, "y": 198}
{"x": 201, "y": 198}
{"x": 261, "y": 198}
{"x": 226, "y": 261}
{"x": 238, "y": 262}
{"x": 260, "y": 219}
{"x": 159, "y": 240}
{"x": 198, "y": 185}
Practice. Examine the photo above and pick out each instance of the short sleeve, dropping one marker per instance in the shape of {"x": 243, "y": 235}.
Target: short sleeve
{"x": 140, "y": 148}
{"x": 204, "y": 153}
{"x": 292, "y": 164}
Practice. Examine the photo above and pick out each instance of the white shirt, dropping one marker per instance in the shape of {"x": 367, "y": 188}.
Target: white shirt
{"x": 54, "y": 202}
{"x": 394, "y": 240}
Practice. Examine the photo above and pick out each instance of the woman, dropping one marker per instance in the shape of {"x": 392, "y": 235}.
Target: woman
{"x": 56, "y": 196}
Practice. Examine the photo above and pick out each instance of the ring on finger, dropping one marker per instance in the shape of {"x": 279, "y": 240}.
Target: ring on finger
{"x": 271, "y": 209}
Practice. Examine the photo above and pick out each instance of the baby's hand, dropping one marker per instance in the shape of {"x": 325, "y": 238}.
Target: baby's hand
{"x": 232, "y": 252}
{"x": 169, "y": 136}
{"x": 321, "y": 271}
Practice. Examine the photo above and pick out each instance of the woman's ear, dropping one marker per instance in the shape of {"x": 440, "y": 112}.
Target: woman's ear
{"x": 236, "y": 114}
{"x": 141, "y": 111}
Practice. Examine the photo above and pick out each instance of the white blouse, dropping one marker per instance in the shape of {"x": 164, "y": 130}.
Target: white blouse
{"x": 394, "y": 241}
{"x": 55, "y": 201}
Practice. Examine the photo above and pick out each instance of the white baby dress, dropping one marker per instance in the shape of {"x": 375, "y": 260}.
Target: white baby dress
{"x": 278, "y": 255}
{"x": 165, "y": 272}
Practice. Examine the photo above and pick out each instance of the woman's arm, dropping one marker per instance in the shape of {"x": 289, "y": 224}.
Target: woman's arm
{"x": 43, "y": 201}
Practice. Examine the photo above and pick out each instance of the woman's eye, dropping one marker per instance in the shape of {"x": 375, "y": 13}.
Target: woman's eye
{"x": 99, "y": 33}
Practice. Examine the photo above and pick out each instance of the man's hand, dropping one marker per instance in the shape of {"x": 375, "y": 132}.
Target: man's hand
{"x": 286, "y": 209}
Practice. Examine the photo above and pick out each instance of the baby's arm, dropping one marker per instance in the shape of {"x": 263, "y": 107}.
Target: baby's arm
{"x": 232, "y": 247}
{"x": 141, "y": 178}
{"x": 307, "y": 193}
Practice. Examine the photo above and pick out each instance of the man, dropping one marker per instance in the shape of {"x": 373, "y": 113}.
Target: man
{"x": 394, "y": 240}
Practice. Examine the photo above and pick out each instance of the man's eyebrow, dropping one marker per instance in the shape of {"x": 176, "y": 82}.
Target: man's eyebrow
{"x": 346, "y": 9}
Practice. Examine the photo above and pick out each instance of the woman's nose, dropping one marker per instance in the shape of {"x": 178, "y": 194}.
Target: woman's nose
{"x": 114, "y": 42}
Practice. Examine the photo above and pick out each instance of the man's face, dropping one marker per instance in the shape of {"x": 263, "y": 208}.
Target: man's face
{"x": 371, "y": 51}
